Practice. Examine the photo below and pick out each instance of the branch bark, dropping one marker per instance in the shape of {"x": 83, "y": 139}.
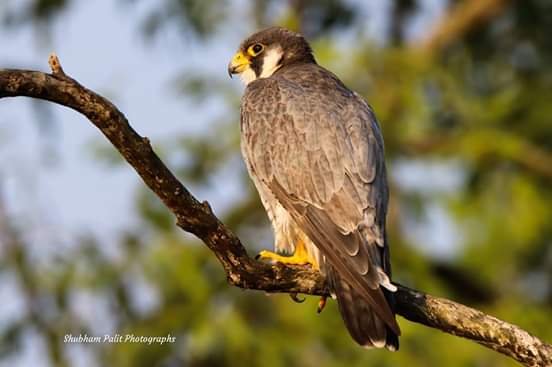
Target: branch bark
{"x": 243, "y": 271}
{"x": 460, "y": 19}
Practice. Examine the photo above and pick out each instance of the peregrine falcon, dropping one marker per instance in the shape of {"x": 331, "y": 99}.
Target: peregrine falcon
{"x": 314, "y": 151}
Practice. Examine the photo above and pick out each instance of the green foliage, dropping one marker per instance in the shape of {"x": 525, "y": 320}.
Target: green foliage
{"x": 41, "y": 11}
{"x": 479, "y": 105}
{"x": 200, "y": 17}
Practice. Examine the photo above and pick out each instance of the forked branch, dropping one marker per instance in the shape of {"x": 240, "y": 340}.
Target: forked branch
{"x": 242, "y": 271}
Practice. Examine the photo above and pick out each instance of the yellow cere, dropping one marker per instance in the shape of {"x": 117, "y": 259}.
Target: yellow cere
{"x": 240, "y": 61}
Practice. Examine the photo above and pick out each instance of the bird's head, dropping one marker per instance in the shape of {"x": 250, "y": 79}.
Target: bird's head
{"x": 265, "y": 52}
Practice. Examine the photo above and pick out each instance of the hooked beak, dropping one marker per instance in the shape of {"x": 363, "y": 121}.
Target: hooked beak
{"x": 239, "y": 63}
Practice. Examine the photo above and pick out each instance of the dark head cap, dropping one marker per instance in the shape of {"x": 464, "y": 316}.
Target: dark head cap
{"x": 294, "y": 46}
{"x": 266, "y": 51}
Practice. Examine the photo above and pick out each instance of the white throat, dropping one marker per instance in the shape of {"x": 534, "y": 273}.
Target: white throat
{"x": 271, "y": 63}
{"x": 247, "y": 76}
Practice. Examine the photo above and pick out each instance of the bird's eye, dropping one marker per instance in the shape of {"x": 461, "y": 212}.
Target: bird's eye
{"x": 256, "y": 49}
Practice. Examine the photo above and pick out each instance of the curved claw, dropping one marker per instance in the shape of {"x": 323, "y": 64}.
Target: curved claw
{"x": 296, "y": 299}
{"x": 321, "y": 304}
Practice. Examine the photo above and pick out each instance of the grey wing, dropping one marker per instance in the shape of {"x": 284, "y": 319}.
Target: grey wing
{"x": 322, "y": 158}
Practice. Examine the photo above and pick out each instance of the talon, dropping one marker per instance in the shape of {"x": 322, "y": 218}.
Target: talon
{"x": 296, "y": 299}
{"x": 300, "y": 257}
{"x": 321, "y": 304}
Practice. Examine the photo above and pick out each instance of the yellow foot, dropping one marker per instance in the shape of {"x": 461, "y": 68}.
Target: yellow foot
{"x": 300, "y": 258}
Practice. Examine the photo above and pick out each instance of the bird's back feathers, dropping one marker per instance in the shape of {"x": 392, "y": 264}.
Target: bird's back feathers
{"x": 315, "y": 147}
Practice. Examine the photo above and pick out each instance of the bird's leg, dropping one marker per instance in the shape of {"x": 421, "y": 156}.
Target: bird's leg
{"x": 300, "y": 257}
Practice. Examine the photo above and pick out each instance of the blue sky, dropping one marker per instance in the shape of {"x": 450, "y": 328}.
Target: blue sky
{"x": 77, "y": 193}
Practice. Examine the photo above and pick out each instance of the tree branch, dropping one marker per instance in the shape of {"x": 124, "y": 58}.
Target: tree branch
{"x": 242, "y": 271}
{"x": 463, "y": 17}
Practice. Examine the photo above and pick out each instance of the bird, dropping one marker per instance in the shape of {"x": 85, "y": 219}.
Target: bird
{"x": 315, "y": 153}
